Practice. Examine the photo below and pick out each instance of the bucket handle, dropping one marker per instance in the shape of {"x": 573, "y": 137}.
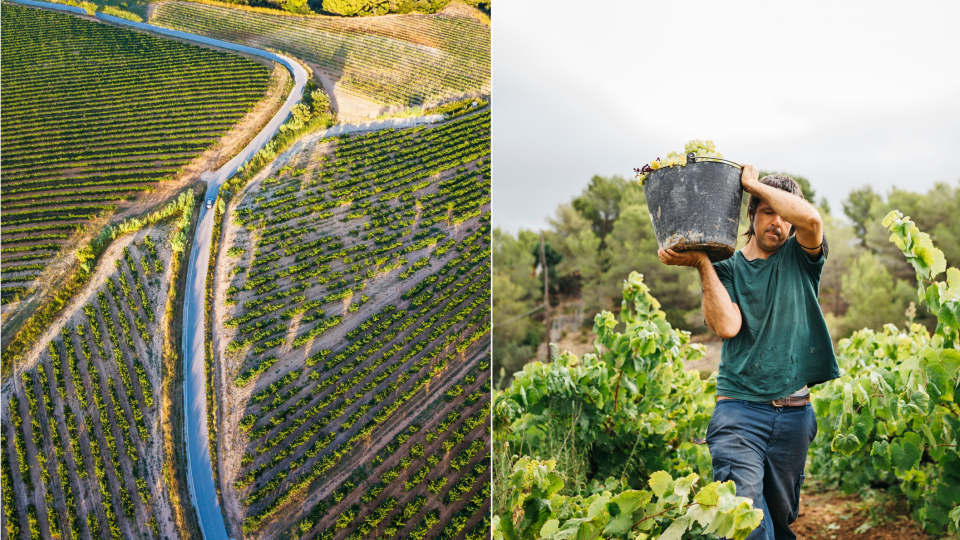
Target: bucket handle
{"x": 691, "y": 158}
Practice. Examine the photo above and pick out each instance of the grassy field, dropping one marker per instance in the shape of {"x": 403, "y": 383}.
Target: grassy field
{"x": 395, "y": 60}
{"x": 82, "y": 429}
{"x": 353, "y": 310}
{"x": 95, "y": 115}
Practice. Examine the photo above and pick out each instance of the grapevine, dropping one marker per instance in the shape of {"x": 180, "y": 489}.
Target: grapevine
{"x": 892, "y": 416}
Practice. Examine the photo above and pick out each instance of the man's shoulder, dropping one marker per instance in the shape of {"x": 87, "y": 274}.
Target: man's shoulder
{"x": 727, "y": 264}
{"x": 725, "y": 269}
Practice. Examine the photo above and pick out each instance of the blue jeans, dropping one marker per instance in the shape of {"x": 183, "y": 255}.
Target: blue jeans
{"x": 763, "y": 449}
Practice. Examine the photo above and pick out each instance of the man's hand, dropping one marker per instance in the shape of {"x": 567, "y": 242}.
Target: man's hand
{"x": 748, "y": 177}
{"x": 684, "y": 258}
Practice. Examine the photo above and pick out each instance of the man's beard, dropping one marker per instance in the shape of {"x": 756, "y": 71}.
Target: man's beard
{"x": 768, "y": 243}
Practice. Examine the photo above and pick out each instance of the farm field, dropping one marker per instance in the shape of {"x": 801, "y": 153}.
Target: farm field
{"x": 96, "y": 115}
{"x": 83, "y": 442}
{"x": 887, "y": 428}
{"x": 406, "y": 60}
{"x": 351, "y": 308}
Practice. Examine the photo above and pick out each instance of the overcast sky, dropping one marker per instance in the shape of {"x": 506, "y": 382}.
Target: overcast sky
{"x": 844, "y": 93}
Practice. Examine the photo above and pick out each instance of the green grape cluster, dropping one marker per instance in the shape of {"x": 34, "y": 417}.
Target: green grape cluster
{"x": 702, "y": 148}
{"x": 697, "y": 147}
{"x": 673, "y": 158}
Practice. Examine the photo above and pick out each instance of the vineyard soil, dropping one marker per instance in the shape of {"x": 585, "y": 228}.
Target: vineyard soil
{"x": 429, "y": 408}
{"x": 124, "y": 299}
{"x": 349, "y": 107}
{"x": 833, "y": 516}
{"x": 430, "y": 184}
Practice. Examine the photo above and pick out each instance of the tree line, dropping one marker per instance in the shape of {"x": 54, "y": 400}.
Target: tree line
{"x": 595, "y": 240}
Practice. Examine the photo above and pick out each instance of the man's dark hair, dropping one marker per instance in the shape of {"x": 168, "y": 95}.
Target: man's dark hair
{"x": 779, "y": 181}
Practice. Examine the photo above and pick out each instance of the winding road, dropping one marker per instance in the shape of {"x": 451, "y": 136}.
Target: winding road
{"x": 203, "y": 493}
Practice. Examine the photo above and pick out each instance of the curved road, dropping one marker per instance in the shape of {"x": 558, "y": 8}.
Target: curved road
{"x": 203, "y": 493}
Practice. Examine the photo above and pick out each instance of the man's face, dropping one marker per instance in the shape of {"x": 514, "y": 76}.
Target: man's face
{"x": 769, "y": 228}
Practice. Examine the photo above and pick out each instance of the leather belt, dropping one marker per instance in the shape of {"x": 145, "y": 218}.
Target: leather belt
{"x": 789, "y": 401}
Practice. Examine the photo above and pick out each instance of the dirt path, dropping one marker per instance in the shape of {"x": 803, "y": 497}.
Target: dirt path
{"x": 834, "y": 516}
{"x": 86, "y": 493}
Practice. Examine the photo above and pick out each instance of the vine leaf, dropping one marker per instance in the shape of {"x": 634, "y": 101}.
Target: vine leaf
{"x": 846, "y": 444}
{"x": 746, "y": 519}
{"x": 906, "y": 457}
{"x": 951, "y": 361}
{"x": 881, "y": 455}
{"x": 535, "y": 514}
{"x": 660, "y": 482}
{"x": 623, "y": 507}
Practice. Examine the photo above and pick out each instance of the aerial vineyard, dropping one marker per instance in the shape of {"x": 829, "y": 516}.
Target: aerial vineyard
{"x": 403, "y": 60}
{"x": 82, "y": 439}
{"x": 354, "y": 318}
{"x": 95, "y": 115}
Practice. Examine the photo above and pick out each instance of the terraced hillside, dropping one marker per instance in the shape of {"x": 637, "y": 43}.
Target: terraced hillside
{"x": 84, "y": 447}
{"x": 395, "y": 60}
{"x": 352, "y": 307}
{"x": 94, "y": 115}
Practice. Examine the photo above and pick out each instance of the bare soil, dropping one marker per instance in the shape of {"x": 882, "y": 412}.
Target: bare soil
{"x": 150, "y": 450}
{"x": 429, "y": 414}
{"x": 833, "y": 516}
{"x": 235, "y": 402}
{"x": 228, "y": 145}
{"x": 350, "y": 107}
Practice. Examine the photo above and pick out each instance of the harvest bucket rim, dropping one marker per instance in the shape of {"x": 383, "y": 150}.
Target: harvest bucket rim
{"x": 721, "y": 161}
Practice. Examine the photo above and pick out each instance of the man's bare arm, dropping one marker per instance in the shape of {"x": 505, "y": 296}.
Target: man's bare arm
{"x": 792, "y": 209}
{"x": 721, "y": 314}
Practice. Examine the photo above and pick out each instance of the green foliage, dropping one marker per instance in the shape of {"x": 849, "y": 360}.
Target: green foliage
{"x": 126, "y": 149}
{"x": 632, "y": 411}
{"x": 874, "y": 296}
{"x": 666, "y": 511}
{"x": 627, "y": 400}
{"x": 352, "y": 8}
{"x": 374, "y": 59}
{"x": 891, "y": 419}
{"x": 516, "y": 293}
{"x": 600, "y": 204}
{"x": 858, "y": 205}
{"x": 117, "y": 12}
{"x": 299, "y": 7}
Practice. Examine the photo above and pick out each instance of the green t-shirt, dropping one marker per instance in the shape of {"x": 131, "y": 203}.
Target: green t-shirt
{"x": 783, "y": 343}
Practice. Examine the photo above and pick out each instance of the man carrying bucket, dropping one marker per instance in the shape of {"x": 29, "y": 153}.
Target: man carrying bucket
{"x": 762, "y": 302}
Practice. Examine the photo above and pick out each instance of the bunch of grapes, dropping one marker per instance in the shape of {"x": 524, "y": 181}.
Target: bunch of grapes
{"x": 698, "y": 147}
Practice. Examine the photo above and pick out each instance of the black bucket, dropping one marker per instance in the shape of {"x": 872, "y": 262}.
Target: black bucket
{"x": 696, "y": 207}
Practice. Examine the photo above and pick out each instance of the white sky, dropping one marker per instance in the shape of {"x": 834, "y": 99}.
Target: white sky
{"x": 844, "y": 93}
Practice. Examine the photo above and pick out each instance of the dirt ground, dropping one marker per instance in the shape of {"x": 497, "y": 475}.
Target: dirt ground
{"x": 437, "y": 410}
{"x": 150, "y": 451}
{"x": 235, "y": 401}
{"x": 349, "y": 107}
{"x": 833, "y": 516}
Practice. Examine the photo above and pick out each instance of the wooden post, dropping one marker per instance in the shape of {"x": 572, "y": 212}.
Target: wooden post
{"x": 546, "y": 293}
